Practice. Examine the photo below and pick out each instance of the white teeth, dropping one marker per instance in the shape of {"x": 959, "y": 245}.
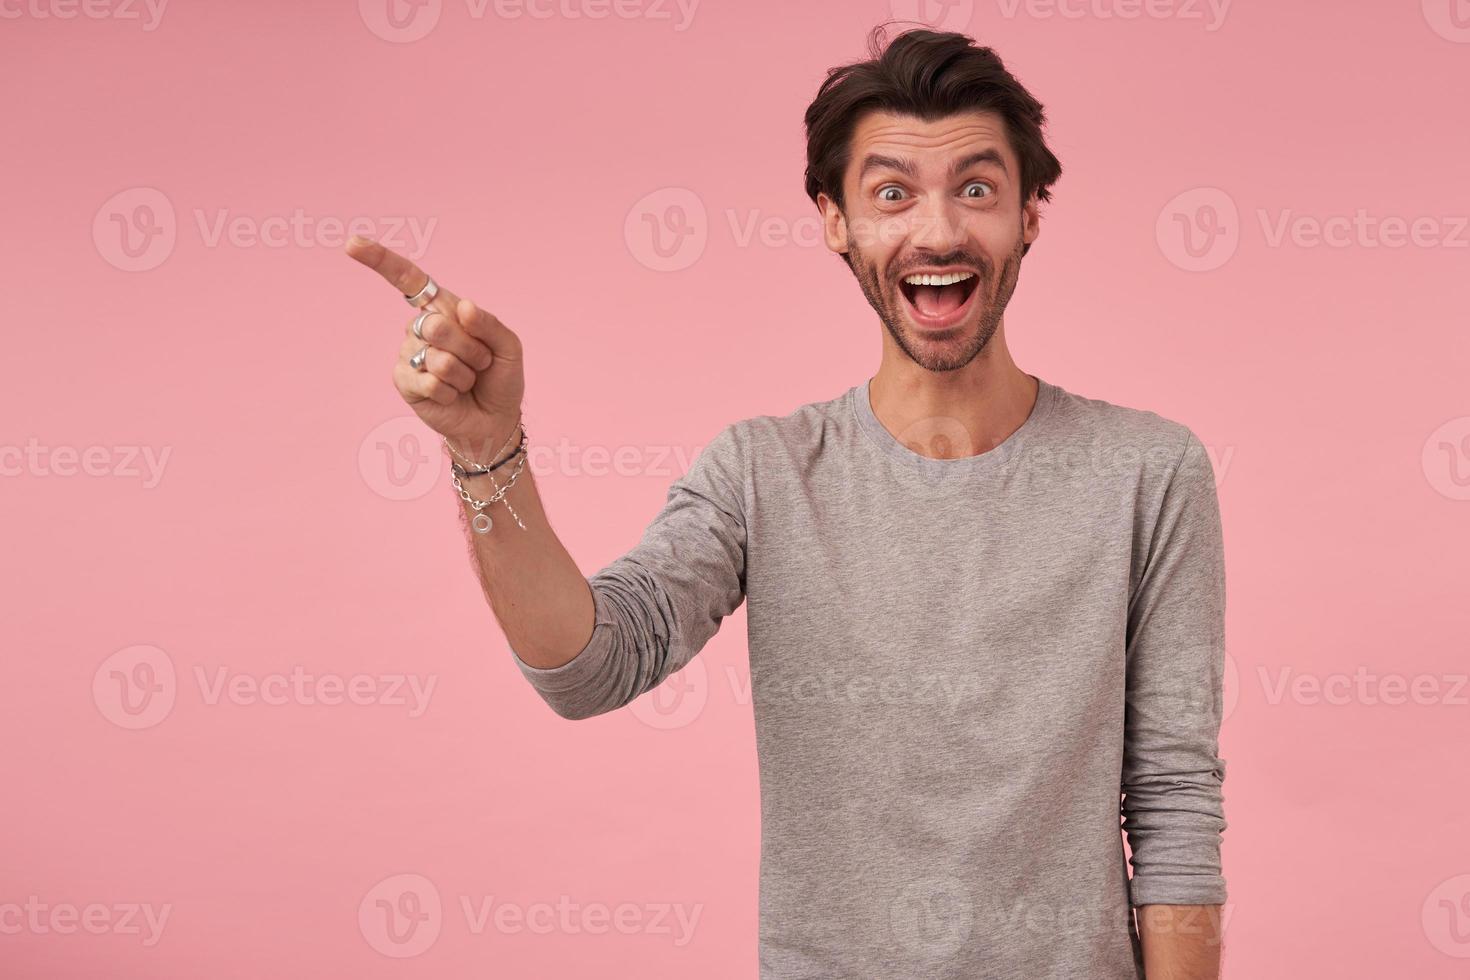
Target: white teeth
{"x": 948, "y": 279}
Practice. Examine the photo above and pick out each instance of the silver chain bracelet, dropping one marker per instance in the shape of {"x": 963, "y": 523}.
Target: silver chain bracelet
{"x": 485, "y": 467}
{"x": 481, "y": 522}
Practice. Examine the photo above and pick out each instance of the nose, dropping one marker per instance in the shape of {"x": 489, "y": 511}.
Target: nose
{"x": 936, "y": 224}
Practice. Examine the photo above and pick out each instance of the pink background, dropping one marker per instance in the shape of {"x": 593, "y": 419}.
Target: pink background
{"x": 1327, "y": 379}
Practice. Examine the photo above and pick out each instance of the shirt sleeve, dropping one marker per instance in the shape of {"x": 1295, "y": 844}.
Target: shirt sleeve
{"x": 1173, "y": 810}
{"x": 657, "y": 605}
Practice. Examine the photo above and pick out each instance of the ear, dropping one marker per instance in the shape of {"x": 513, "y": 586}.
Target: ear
{"x": 1030, "y": 220}
{"x": 834, "y": 224}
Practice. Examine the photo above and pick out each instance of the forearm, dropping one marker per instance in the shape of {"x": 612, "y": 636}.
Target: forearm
{"x": 538, "y": 595}
{"x": 653, "y": 607}
{"x": 1180, "y": 942}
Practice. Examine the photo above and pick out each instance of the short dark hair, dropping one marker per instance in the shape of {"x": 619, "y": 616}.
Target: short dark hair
{"x": 928, "y": 74}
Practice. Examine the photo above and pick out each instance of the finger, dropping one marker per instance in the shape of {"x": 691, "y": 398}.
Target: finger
{"x": 440, "y": 363}
{"x": 404, "y": 276}
{"x": 444, "y": 333}
{"x": 487, "y": 328}
{"x": 417, "y": 386}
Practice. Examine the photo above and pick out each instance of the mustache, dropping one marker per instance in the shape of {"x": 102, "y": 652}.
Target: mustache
{"x": 951, "y": 258}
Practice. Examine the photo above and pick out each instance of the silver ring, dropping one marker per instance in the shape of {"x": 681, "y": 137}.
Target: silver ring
{"x": 417, "y": 361}
{"x": 418, "y": 324}
{"x": 421, "y": 298}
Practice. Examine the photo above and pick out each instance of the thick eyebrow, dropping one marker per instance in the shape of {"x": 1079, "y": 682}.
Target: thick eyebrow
{"x": 877, "y": 161}
{"x": 974, "y": 159}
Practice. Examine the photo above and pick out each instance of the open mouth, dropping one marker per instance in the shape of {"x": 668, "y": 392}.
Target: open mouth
{"x": 939, "y": 299}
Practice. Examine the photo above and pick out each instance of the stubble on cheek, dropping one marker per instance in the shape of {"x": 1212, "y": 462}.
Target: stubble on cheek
{"x": 871, "y": 283}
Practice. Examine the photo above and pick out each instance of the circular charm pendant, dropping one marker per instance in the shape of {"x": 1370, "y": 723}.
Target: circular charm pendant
{"x": 481, "y": 523}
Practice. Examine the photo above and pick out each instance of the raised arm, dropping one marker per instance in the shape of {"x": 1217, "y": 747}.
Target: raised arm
{"x": 587, "y": 644}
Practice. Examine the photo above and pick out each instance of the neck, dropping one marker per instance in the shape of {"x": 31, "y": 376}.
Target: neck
{"x": 949, "y": 414}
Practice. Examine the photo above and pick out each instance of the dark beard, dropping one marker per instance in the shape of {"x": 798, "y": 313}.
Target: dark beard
{"x": 888, "y": 304}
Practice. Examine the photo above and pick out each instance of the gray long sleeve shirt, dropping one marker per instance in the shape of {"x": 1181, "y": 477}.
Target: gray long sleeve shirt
{"x": 963, "y": 671}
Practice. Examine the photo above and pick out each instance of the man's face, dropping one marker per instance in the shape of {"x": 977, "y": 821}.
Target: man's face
{"x": 933, "y": 225}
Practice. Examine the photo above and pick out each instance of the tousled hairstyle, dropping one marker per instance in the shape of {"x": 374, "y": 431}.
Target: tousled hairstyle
{"x": 928, "y": 74}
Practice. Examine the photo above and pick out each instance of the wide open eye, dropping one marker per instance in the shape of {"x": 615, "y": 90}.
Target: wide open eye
{"x": 975, "y": 185}
{"x": 890, "y": 193}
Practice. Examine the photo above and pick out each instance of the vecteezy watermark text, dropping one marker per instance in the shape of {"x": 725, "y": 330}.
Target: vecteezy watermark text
{"x": 137, "y": 229}
{"x": 1211, "y": 13}
{"x": 403, "y": 915}
{"x": 405, "y": 21}
{"x": 38, "y": 918}
{"x": 1200, "y": 229}
{"x": 138, "y": 686}
{"x": 150, "y": 12}
{"x": 124, "y": 462}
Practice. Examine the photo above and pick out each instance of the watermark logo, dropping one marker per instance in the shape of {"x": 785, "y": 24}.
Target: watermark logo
{"x": 678, "y": 701}
{"x": 398, "y": 461}
{"x": 400, "y": 21}
{"x": 401, "y": 916}
{"x": 938, "y": 436}
{"x": 1450, "y": 19}
{"x": 1232, "y": 688}
{"x": 1446, "y": 459}
{"x": 1199, "y": 229}
{"x": 135, "y": 687}
{"x": 932, "y": 919}
{"x": 667, "y": 230}
{"x": 135, "y": 229}
{"x": 1446, "y": 917}
{"x": 943, "y": 15}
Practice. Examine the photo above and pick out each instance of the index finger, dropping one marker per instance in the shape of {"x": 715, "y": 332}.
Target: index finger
{"x": 404, "y": 276}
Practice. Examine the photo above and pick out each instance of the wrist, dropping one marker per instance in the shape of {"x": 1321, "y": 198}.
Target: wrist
{"x": 485, "y": 447}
